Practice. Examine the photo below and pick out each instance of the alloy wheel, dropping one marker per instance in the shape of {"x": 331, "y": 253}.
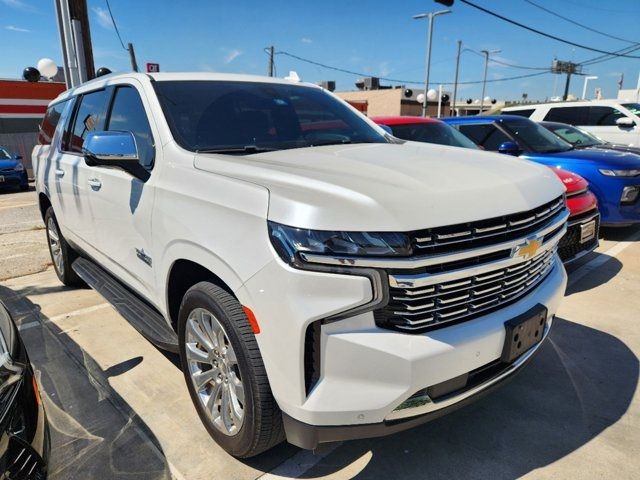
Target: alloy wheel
{"x": 55, "y": 245}
{"x": 214, "y": 371}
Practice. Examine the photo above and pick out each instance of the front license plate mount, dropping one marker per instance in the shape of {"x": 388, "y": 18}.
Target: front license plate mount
{"x": 587, "y": 231}
{"x": 523, "y": 332}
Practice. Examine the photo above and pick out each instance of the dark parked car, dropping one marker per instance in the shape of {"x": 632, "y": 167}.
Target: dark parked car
{"x": 12, "y": 171}
{"x": 582, "y": 139}
{"x": 24, "y": 435}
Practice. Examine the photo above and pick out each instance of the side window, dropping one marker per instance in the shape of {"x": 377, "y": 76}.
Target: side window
{"x": 50, "y": 122}
{"x": 604, "y": 116}
{"x": 487, "y": 136}
{"x": 128, "y": 115}
{"x": 525, "y": 112}
{"x": 570, "y": 115}
{"x": 89, "y": 117}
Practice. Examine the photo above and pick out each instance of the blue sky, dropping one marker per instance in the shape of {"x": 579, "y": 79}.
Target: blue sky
{"x": 375, "y": 37}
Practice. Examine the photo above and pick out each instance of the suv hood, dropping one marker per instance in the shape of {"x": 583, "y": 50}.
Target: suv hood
{"x": 388, "y": 187}
{"x": 612, "y": 158}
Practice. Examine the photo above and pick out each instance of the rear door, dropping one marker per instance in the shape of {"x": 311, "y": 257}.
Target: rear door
{"x": 602, "y": 122}
{"x": 122, "y": 203}
{"x": 70, "y": 171}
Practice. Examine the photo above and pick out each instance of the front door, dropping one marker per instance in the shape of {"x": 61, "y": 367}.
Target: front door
{"x": 122, "y": 203}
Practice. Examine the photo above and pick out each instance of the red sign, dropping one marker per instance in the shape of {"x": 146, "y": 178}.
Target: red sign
{"x": 153, "y": 67}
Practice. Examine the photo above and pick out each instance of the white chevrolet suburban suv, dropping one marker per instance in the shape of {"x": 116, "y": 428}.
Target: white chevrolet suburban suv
{"x": 320, "y": 279}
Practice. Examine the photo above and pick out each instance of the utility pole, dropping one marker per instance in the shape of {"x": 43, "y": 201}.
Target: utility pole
{"x": 484, "y": 81}
{"x": 75, "y": 40}
{"x": 452, "y": 106}
{"x": 271, "y": 51}
{"x": 132, "y": 57}
{"x": 430, "y": 16}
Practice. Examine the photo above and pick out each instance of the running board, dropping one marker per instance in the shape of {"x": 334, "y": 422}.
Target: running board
{"x": 142, "y": 316}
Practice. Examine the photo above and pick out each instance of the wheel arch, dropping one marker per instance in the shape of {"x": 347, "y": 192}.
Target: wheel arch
{"x": 43, "y": 204}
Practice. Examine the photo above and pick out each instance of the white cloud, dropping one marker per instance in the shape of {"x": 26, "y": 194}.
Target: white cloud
{"x": 103, "y": 18}
{"x": 232, "y": 55}
{"x": 306, "y": 40}
{"x": 13, "y": 28}
{"x": 16, "y": 4}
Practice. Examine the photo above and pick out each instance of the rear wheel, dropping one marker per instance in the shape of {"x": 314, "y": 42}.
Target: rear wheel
{"x": 62, "y": 255}
{"x": 225, "y": 374}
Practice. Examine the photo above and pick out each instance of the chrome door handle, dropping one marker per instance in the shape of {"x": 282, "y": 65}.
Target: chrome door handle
{"x": 95, "y": 183}
{"x": 59, "y": 173}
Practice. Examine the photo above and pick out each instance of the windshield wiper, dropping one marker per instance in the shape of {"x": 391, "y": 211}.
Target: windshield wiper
{"x": 231, "y": 150}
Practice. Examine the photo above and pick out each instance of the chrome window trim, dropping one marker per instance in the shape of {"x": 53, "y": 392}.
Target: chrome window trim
{"x": 430, "y": 260}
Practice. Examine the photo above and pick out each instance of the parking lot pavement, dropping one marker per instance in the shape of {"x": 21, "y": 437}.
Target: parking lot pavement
{"x": 119, "y": 407}
{"x": 22, "y": 235}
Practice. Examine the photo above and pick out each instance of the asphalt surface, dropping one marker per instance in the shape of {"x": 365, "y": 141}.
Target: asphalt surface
{"x": 118, "y": 407}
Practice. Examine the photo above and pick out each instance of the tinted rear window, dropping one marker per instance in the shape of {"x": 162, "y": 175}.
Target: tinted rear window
{"x": 521, "y": 113}
{"x": 50, "y": 122}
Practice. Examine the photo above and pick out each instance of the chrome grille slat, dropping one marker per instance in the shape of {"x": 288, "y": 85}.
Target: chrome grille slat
{"x": 470, "y": 296}
{"x": 512, "y": 225}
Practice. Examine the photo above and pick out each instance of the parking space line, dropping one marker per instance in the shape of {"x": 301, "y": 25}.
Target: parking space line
{"x": 602, "y": 258}
{"x": 299, "y": 464}
{"x": 5, "y": 207}
{"x": 80, "y": 311}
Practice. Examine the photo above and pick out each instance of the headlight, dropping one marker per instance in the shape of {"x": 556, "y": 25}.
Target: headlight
{"x": 289, "y": 241}
{"x": 19, "y": 167}
{"x": 634, "y": 172}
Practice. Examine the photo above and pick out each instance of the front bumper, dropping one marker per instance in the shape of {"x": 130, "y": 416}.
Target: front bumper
{"x": 365, "y": 371}
{"x": 13, "y": 179}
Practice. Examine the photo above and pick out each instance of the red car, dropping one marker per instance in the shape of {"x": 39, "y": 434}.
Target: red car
{"x": 584, "y": 222}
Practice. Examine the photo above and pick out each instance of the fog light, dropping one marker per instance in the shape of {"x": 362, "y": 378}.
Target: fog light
{"x": 630, "y": 194}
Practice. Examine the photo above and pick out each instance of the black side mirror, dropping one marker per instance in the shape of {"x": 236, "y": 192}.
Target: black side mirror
{"x": 509, "y": 148}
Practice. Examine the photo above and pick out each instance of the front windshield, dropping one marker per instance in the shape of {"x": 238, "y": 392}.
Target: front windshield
{"x": 575, "y": 136}
{"x": 534, "y": 137}
{"x": 633, "y": 108}
{"x": 439, "y": 133}
{"x": 250, "y": 117}
{"x": 4, "y": 155}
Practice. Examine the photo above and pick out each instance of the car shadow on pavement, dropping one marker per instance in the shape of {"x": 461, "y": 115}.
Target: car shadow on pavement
{"x": 608, "y": 268}
{"x": 94, "y": 433}
{"x": 581, "y": 382}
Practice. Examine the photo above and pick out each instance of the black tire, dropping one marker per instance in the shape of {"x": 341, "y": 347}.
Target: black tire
{"x": 262, "y": 426}
{"x": 66, "y": 274}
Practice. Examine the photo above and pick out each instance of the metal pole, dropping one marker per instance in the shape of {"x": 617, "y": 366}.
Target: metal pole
{"x": 455, "y": 82}
{"x": 428, "y": 66}
{"x": 566, "y": 87}
{"x": 484, "y": 80}
{"x": 271, "y": 54}
{"x": 439, "y": 100}
{"x": 76, "y": 29}
{"x": 63, "y": 44}
{"x": 132, "y": 57}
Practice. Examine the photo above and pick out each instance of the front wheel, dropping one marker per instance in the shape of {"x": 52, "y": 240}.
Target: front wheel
{"x": 225, "y": 374}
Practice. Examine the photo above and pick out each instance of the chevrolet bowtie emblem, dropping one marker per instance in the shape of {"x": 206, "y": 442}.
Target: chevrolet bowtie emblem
{"x": 528, "y": 249}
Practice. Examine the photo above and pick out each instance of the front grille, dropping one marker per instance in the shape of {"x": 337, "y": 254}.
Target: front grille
{"x": 570, "y": 246}
{"x": 423, "y": 308}
{"x": 485, "y": 232}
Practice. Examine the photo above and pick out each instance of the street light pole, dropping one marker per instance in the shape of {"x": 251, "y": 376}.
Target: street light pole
{"x": 584, "y": 89}
{"x": 484, "y": 80}
{"x": 430, "y": 16}
{"x": 455, "y": 81}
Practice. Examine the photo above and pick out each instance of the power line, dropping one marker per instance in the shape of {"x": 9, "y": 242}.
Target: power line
{"x": 600, "y": 9}
{"x": 586, "y": 27}
{"x": 506, "y": 64}
{"x": 397, "y": 80}
{"x": 539, "y": 32}
{"x": 115, "y": 26}
{"x": 604, "y": 58}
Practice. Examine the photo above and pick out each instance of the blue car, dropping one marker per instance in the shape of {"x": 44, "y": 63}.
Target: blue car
{"x": 12, "y": 171}
{"x": 614, "y": 176}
